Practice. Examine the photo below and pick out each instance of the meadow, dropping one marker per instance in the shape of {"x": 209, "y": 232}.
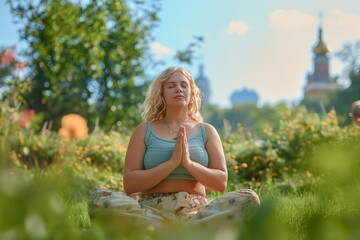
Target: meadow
{"x": 306, "y": 173}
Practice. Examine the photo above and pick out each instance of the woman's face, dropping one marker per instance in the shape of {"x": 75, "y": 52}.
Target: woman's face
{"x": 176, "y": 90}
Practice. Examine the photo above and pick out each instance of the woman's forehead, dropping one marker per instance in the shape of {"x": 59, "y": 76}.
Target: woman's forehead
{"x": 177, "y": 77}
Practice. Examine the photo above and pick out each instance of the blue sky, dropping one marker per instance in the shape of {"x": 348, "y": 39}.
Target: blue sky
{"x": 264, "y": 45}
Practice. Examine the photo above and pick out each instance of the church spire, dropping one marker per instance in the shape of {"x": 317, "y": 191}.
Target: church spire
{"x": 320, "y": 48}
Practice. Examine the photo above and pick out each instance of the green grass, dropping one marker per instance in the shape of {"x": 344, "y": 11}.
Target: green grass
{"x": 317, "y": 199}
{"x": 38, "y": 206}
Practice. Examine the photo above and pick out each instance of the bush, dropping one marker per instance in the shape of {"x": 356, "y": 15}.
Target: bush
{"x": 286, "y": 155}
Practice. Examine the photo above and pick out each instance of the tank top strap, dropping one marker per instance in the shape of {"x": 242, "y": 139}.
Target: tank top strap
{"x": 148, "y": 131}
{"x": 203, "y": 131}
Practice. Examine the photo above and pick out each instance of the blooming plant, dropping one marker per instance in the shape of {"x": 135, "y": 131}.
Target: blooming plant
{"x": 286, "y": 153}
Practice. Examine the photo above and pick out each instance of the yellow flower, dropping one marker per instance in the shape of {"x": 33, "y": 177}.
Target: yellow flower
{"x": 78, "y": 167}
{"x": 122, "y": 149}
{"x": 107, "y": 148}
{"x": 116, "y": 134}
{"x": 95, "y": 147}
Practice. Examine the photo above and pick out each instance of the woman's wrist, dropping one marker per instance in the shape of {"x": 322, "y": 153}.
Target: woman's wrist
{"x": 188, "y": 164}
{"x": 172, "y": 163}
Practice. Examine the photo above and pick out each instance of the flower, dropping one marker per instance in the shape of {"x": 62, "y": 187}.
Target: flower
{"x": 73, "y": 126}
{"x": 25, "y": 118}
{"x": 19, "y": 66}
{"x": 7, "y": 55}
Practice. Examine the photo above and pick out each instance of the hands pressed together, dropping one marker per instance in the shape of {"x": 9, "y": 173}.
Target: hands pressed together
{"x": 181, "y": 153}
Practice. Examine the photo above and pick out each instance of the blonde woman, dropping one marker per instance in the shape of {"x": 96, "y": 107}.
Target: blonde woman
{"x": 172, "y": 159}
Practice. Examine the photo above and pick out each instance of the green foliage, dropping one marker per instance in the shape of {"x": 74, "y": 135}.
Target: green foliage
{"x": 341, "y": 100}
{"x": 350, "y": 55}
{"x": 12, "y": 86}
{"x": 105, "y": 150}
{"x": 84, "y": 57}
{"x": 252, "y": 119}
{"x": 188, "y": 54}
{"x": 34, "y": 149}
{"x": 286, "y": 152}
{"x": 315, "y": 197}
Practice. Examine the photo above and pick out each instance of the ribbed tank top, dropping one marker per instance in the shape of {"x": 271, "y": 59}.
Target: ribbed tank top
{"x": 159, "y": 150}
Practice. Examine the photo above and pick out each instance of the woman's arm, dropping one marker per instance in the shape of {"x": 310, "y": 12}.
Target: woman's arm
{"x": 215, "y": 175}
{"x": 136, "y": 179}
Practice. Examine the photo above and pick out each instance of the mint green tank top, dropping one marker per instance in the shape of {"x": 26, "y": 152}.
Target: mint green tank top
{"x": 159, "y": 150}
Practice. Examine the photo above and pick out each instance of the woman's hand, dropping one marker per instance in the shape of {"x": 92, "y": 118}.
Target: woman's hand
{"x": 185, "y": 160}
{"x": 178, "y": 149}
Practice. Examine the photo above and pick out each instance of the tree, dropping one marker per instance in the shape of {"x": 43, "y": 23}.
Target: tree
{"x": 350, "y": 55}
{"x": 84, "y": 58}
{"x": 12, "y": 86}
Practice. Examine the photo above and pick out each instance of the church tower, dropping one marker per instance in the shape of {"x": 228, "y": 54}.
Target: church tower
{"x": 320, "y": 85}
{"x": 203, "y": 83}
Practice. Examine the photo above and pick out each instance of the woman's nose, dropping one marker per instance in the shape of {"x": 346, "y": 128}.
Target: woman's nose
{"x": 178, "y": 89}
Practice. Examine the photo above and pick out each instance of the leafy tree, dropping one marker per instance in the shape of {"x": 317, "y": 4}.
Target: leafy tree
{"x": 85, "y": 57}
{"x": 188, "y": 54}
{"x": 12, "y": 86}
{"x": 250, "y": 117}
{"x": 350, "y": 55}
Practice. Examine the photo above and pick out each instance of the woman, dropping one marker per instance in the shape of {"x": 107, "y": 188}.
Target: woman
{"x": 172, "y": 159}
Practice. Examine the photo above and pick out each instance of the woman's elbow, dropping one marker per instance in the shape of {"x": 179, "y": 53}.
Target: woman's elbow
{"x": 128, "y": 188}
{"x": 222, "y": 187}
{"x": 224, "y": 181}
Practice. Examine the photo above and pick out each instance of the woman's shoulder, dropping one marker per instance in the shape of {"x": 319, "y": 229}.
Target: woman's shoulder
{"x": 210, "y": 130}
{"x": 209, "y": 127}
{"x": 140, "y": 129}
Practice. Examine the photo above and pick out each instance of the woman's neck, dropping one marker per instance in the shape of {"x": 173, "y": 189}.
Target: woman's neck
{"x": 178, "y": 117}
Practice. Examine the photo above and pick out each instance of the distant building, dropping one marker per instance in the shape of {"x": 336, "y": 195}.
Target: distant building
{"x": 203, "y": 83}
{"x": 320, "y": 85}
{"x": 243, "y": 96}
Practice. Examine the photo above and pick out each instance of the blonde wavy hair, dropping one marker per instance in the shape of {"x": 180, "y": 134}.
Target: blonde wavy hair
{"x": 154, "y": 106}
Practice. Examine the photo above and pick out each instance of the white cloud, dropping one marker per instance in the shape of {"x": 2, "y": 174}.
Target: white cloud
{"x": 237, "y": 28}
{"x": 161, "y": 51}
{"x": 341, "y": 27}
{"x": 290, "y": 19}
{"x": 340, "y": 18}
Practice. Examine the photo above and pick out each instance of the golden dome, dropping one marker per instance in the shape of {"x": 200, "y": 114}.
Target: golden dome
{"x": 320, "y": 48}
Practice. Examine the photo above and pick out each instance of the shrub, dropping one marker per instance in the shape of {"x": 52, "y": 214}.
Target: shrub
{"x": 287, "y": 153}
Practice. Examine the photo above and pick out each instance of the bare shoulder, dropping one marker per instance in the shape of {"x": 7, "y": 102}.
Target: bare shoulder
{"x": 140, "y": 130}
{"x": 210, "y": 129}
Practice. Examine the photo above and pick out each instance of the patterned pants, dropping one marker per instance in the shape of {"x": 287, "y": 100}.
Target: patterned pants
{"x": 157, "y": 209}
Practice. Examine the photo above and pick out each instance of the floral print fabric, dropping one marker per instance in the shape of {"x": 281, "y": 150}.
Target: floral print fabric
{"x": 157, "y": 209}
